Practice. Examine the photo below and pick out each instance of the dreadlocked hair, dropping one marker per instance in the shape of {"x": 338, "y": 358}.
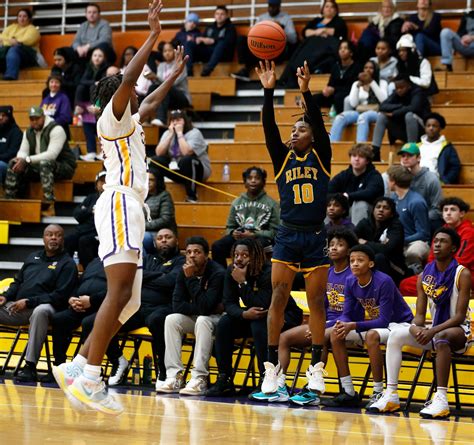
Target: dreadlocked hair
{"x": 256, "y": 253}
{"x": 104, "y": 90}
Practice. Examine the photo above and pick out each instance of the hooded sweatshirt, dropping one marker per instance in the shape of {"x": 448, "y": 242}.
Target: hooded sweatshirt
{"x": 10, "y": 136}
{"x": 427, "y": 184}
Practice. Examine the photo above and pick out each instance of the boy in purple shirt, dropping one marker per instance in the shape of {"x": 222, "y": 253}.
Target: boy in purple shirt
{"x": 373, "y": 293}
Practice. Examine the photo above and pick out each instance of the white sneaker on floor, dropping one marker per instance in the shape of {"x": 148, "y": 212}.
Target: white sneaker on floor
{"x": 65, "y": 374}
{"x": 171, "y": 385}
{"x": 315, "y": 375}
{"x": 89, "y": 157}
{"x": 387, "y": 402}
{"x": 157, "y": 123}
{"x": 270, "y": 381}
{"x": 117, "y": 377}
{"x": 195, "y": 387}
{"x": 436, "y": 408}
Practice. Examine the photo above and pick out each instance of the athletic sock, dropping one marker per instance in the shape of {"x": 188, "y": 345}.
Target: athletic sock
{"x": 273, "y": 354}
{"x": 347, "y": 385}
{"x": 316, "y": 351}
{"x": 391, "y": 387}
{"x": 442, "y": 391}
{"x": 80, "y": 361}
{"x": 92, "y": 372}
{"x": 378, "y": 386}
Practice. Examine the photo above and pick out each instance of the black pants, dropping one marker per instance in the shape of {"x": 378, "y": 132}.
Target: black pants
{"x": 175, "y": 99}
{"x": 221, "y": 249}
{"x": 86, "y": 245}
{"x": 189, "y": 166}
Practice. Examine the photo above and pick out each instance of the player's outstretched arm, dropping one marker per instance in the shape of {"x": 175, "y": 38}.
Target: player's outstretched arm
{"x": 135, "y": 67}
{"x": 153, "y": 100}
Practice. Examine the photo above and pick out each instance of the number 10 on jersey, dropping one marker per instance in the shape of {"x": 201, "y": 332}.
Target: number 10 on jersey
{"x": 303, "y": 193}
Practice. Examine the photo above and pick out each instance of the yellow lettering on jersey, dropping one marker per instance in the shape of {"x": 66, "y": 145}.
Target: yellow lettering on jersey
{"x": 289, "y": 177}
{"x": 301, "y": 173}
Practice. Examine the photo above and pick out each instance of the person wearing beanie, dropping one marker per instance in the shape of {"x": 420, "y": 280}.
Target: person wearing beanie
{"x": 10, "y": 139}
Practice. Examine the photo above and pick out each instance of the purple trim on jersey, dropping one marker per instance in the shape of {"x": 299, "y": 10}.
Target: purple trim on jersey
{"x": 132, "y": 175}
{"x": 126, "y": 224}
{"x": 121, "y": 161}
{"x": 112, "y": 228}
{"x": 335, "y": 293}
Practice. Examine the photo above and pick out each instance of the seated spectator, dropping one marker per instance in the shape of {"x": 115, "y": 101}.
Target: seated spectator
{"x": 183, "y": 147}
{"x": 216, "y": 44}
{"x": 94, "y": 33}
{"x": 386, "y": 24}
{"x": 319, "y": 47}
{"x": 161, "y": 205}
{"x": 84, "y": 110}
{"x": 178, "y": 96}
{"x": 425, "y": 26}
{"x": 413, "y": 213}
{"x": 343, "y": 74}
{"x": 383, "y": 233}
{"x": 402, "y": 113}
{"x": 365, "y": 98}
{"x": 19, "y": 45}
{"x": 437, "y": 153}
{"x": 42, "y": 286}
{"x": 248, "y": 280}
{"x": 386, "y": 63}
{"x": 70, "y": 72}
{"x": 244, "y": 55}
{"x": 187, "y": 36}
{"x": 56, "y": 105}
{"x": 462, "y": 42}
{"x": 253, "y": 214}
{"x": 360, "y": 183}
{"x": 10, "y": 139}
{"x": 143, "y": 82}
{"x": 47, "y": 160}
{"x": 445, "y": 286}
{"x": 197, "y": 308}
{"x": 83, "y": 239}
{"x": 373, "y": 307}
{"x": 454, "y": 212}
{"x": 337, "y": 213}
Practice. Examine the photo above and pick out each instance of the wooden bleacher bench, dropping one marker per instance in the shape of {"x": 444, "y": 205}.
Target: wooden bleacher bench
{"x": 63, "y": 190}
{"x": 86, "y": 171}
{"x": 21, "y": 210}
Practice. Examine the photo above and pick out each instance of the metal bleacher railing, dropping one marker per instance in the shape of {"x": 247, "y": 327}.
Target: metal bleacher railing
{"x": 131, "y": 14}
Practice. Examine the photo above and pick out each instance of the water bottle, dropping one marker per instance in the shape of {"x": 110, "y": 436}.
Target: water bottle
{"x": 332, "y": 113}
{"x": 226, "y": 173}
{"x": 136, "y": 373}
{"x": 75, "y": 258}
{"x": 147, "y": 367}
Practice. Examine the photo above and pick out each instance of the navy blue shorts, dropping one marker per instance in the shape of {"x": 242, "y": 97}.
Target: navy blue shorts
{"x": 301, "y": 251}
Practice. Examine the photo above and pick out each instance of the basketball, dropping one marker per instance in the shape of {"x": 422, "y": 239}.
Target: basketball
{"x": 266, "y": 40}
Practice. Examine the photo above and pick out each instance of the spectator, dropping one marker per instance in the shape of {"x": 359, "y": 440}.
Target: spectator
{"x": 413, "y": 212}
{"x": 360, "y": 183}
{"x": 437, "y": 153}
{"x": 246, "y": 58}
{"x": 94, "y": 33}
{"x": 70, "y": 72}
{"x": 319, "y": 47}
{"x": 386, "y": 63}
{"x": 143, "y": 82}
{"x": 10, "y": 139}
{"x": 19, "y": 45}
{"x": 83, "y": 239}
{"x": 44, "y": 153}
{"x": 343, "y": 74}
{"x": 56, "y": 105}
{"x": 386, "y": 24}
{"x": 197, "y": 307}
{"x": 216, "y": 45}
{"x": 365, "y": 98}
{"x": 425, "y": 26}
{"x": 178, "y": 96}
{"x": 248, "y": 280}
{"x": 402, "y": 113}
{"x": 186, "y": 37}
{"x": 42, "y": 287}
{"x": 383, "y": 233}
{"x": 183, "y": 147}
{"x": 161, "y": 206}
{"x": 337, "y": 213}
{"x": 462, "y": 42}
{"x": 253, "y": 214}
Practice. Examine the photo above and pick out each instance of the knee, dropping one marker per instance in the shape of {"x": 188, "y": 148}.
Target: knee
{"x": 224, "y": 326}
{"x": 279, "y": 297}
{"x": 334, "y": 338}
{"x": 446, "y": 33}
{"x": 172, "y": 322}
{"x": 372, "y": 339}
{"x": 46, "y": 164}
{"x": 203, "y": 323}
{"x": 409, "y": 117}
{"x": 41, "y": 314}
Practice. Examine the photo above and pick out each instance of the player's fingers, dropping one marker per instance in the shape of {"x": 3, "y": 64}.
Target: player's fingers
{"x": 273, "y": 65}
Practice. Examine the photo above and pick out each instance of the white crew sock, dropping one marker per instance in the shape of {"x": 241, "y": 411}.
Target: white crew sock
{"x": 80, "y": 361}
{"x": 347, "y": 385}
{"x": 378, "y": 386}
{"x": 92, "y": 372}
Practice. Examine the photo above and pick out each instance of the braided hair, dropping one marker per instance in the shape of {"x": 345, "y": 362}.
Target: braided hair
{"x": 256, "y": 254}
{"x": 104, "y": 90}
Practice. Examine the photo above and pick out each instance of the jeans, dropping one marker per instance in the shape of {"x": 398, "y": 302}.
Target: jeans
{"x": 411, "y": 124}
{"x": 3, "y": 171}
{"x": 346, "y": 118}
{"x": 148, "y": 243}
{"x": 451, "y": 41}
{"x": 426, "y": 46}
{"x": 18, "y": 56}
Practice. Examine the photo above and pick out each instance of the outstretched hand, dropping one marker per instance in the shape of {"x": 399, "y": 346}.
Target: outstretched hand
{"x": 304, "y": 76}
{"x": 180, "y": 60}
{"x": 154, "y": 10}
{"x": 266, "y": 74}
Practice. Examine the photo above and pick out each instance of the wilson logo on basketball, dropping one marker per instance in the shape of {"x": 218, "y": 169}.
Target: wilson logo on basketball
{"x": 261, "y": 45}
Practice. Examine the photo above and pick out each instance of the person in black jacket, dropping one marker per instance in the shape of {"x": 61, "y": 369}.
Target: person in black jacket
{"x": 217, "y": 43}
{"x": 83, "y": 239}
{"x": 402, "y": 113}
{"x": 360, "y": 183}
{"x": 383, "y": 233}
{"x": 66, "y": 66}
{"x": 197, "y": 307}
{"x": 248, "y": 280}
{"x": 10, "y": 139}
{"x": 41, "y": 287}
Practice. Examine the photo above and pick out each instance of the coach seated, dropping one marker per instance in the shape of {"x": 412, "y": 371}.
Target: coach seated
{"x": 41, "y": 287}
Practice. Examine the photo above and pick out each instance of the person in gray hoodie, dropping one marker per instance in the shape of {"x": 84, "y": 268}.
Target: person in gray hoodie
{"x": 253, "y": 214}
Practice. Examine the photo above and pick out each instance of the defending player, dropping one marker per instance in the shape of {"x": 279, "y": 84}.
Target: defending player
{"x": 302, "y": 174}
{"x": 119, "y": 217}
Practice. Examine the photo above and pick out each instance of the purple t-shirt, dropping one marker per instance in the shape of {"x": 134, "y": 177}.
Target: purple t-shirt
{"x": 335, "y": 294}
{"x": 375, "y": 305}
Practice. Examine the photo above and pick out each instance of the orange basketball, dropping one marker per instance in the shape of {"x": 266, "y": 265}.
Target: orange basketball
{"x": 266, "y": 40}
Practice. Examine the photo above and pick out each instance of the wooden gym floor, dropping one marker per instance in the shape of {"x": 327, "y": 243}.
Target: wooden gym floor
{"x": 41, "y": 415}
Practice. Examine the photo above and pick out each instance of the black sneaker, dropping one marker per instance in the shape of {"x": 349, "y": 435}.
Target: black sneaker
{"x": 224, "y": 387}
{"x": 242, "y": 74}
{"x": 27, "y": 374}
{"x": 206, "y": 71}
{"x": 342, "y": 400}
